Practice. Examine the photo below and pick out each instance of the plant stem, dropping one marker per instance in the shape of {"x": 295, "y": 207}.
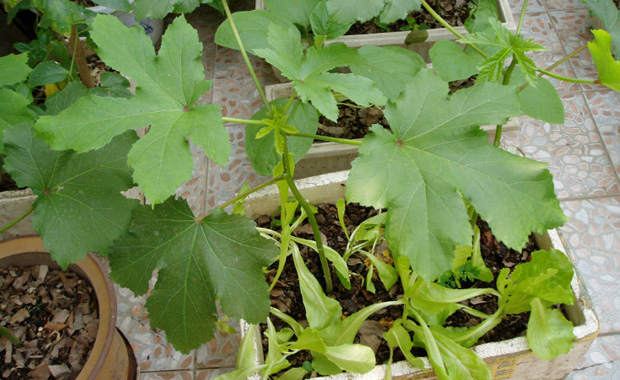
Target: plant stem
{"x": 244, "y": 54}
{"x": 449, "y": 27}
{"x": 326, "y": 138}
{"x": 77, "y": 53}
{"x": 245, "y": 194}
{"x": 16, "y": 220}
{"x": 506, "y": 81}
{"x": 311, "y": 218}
{"x": 568, "y": 79}
{"x": 242, "y": 121}
{"x": 558, "y": 63}
{"x": 521, "y": 18}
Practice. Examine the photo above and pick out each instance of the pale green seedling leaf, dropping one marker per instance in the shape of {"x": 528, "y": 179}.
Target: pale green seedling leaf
{"x": 275, "y": 359}
{"x": 296, "y": 11}
{"x": 609, "y": 14}
{"x": 253, "y": 27}
{"x": 309, "y": 340}
{"x": 397, "y": 336}
{"x": 262, "y": 151}
{"x": 390, "y": 67}
{"x": 387, "y": 273}
{"x": 79, "y": 206}
{"x": 199, "y": 260}
{"x": 452, "y": 63}
{"x": 547, "y": 277}
{"x": 310, "y": 75}
{"x": 246, "y": 355}
{"x": 460, "y": 362}
{"x": 436, "y": 155}
{"x": 549, "y": 334}
{"x": 13, "y": 69}
{"x": 608, "y": 68}
{"x": 168, "y": 87}
{"x": 321, "y": 310}
{"x": 294, "y": 374}
{"x": 47, "y": 72}
{"x": 355, "y": 358}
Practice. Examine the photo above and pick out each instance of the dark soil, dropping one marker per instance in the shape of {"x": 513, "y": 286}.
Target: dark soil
{"x": 54, "y": 315}
{"x": 7, "y": 183}
{"x": 455, "y": 12}
{"x": 86, "y": 3}
{"x": 354, "y": 122}
{"x": 286, "y": 295}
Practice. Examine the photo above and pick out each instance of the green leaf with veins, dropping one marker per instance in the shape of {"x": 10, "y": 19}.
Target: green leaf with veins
{"x": 549, "y": 333}
{"x": 160, "y": 8}
{"x": 13, "y": 111}
{"x": 59, "y": 15}
{"x": 452, "y": 63}
{"x": 460, "y": 362}
{"x": 262, "y": 152}
{"x": 62, "y": 99}
{"x": 541, "y": 102}
{"x": 220, "y": 256}
{"x": 113, "y": 85}
{"x": 296, "y": 11}
{"x": 79, "y": 206}
{"x": 509, "y": 46}
{"x": 310, "y": 75}
{"x": 253, "y": 27}
{"x": 168, "y": 87}
{"x": 47, "y": 72}
{"x": 609, "y": 14}
{"x": 395, "y": 10}
{"x": 608, "y": 69}
{"x": 13, "y": 69}
{"x": 323, "y": 24}
{"x": 348, "y": 12}
{"x": 481, "y": 17}
{"x": 390, "y": 67}
{"x": 435, "y": 155}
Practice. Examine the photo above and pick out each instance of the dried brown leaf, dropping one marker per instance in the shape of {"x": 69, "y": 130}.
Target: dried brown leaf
{"x": 19, "y": 316}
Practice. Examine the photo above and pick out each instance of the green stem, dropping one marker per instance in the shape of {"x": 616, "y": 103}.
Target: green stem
{"x": 290, "y": 101}
{"x": 568, "y": 79}
{"x": 522, "y": 17}
{"x": 480, "y": 329}
{"x": 244, "y": 54}
{"x": 242, "y": 121}
{"x": 499, "y": 128}
{"x": 449, "y": 27}
{"x": 326, "y": 138}
{"x": 16, "y": 220}
{"x": 245, "y": 194}
{"x": 558, "y": 63}
{"x": 311, "y": 218}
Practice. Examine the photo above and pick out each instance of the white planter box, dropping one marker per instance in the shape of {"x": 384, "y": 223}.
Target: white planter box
{"x": 422, "y": 48}
{"x": 12, "y": 205}
{"x": 511, "y": 359}
{"x": 328, "y": 157}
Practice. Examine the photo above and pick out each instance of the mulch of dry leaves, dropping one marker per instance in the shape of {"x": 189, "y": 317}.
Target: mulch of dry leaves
{"x": 54, "y": 315}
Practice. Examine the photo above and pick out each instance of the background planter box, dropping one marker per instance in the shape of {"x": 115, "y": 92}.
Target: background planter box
{"x": 422, "y": 48}
{"x": 511, "y": 359}
{"x": 328, "y": 157}
{"x": 12, "y": 205}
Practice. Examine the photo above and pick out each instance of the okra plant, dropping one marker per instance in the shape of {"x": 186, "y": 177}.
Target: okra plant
{"x": 433, "y": 171}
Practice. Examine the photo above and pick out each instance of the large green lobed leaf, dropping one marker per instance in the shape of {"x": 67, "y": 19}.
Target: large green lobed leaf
{"x": 435, "y": 156}
{"x": 199, "y": 261}
{"x": 169, "y": 85}
{"x": 79, "y": 206}
{"x": 13, "y": 69}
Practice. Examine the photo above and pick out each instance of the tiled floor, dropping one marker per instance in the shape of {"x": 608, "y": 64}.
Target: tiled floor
{"x": 583, "y": 154}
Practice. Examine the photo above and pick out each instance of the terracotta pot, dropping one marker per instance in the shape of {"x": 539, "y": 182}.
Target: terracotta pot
{"x": 111, "y": 357}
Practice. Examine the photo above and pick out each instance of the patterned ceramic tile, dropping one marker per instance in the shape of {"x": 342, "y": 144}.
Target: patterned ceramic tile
{"x": 572, "y": 27}
{"x": 220, "y": 352}
{"x": 212, "y": 373}
{"x": 224, "y": 183}
{"x": 539, "y": 27}
{"x": 533, "y": 6}
{"x": 605, "y": 349}
{"x": 167, "y": 375}
{"x": 585, "y": 69}
{"x": 575, "y": 152}
{"x": 558, "y": 5}
{"x": 608, "y": 371}
{"x": 592, "y": 237}
{"x": 605, "y": 108}
{"x": 234, "y": 88}
{"x": 545, "y": 59}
